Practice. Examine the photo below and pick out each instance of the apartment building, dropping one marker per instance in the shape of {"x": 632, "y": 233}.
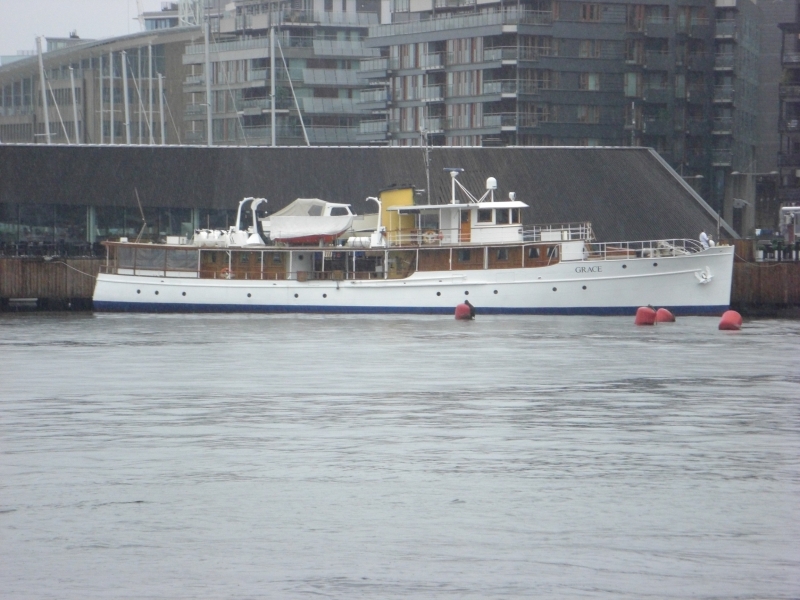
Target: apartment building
{"x": 85, "y": 85}
{"x": 318, "y": 51}
{"x": 789, "y": 123}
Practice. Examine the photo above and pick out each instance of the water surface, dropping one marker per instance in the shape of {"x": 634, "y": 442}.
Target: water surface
{"x": 217, "y": 456}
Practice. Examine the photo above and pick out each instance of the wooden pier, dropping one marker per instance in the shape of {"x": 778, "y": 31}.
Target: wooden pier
{"x": 759, "y": 288}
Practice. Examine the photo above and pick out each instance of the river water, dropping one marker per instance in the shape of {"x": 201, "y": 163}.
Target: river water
{"x": 231, "y": 456}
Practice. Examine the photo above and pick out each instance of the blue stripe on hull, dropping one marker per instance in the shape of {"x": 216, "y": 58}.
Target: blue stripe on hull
{"x": 152, "y": 307}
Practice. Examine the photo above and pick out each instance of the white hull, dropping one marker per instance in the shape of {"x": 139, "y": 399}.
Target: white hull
{"x": 569, "y": 287}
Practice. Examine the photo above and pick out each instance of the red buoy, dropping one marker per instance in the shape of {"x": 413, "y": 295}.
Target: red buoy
{"x": 645, "y": 315}
{"x": 730, "y": 321}
{"x": 465, "y": 311}
{"x": 664, "y": 316}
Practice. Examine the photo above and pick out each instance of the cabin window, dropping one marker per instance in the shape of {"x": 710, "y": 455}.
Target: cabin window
{"x": 338, "y": 211}
{"x": 502, "y": 254}
{"x": 464, "y": 255}
{"x": 552, "y": 252}
{"x": 533, "y": 252}
{"x": 484, "y": 215}
{"x": 244, "y": 258}
{"x": 515, "y": 216}
{"x": 277, "y": 259}
{"x": 501, "y": 216}
{"x": 465, "y": 216}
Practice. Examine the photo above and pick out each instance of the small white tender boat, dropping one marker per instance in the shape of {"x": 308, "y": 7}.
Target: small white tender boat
{"x": 418, "y": 258}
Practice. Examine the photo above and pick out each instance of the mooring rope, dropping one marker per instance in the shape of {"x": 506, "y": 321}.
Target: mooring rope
{"x": 61, "y": 262}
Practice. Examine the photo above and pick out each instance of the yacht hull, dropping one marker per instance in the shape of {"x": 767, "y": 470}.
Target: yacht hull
{"x": 691, "y": 284}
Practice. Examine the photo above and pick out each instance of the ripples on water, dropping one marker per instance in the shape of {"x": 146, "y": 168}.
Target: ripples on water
{"x": 397, "y": 457}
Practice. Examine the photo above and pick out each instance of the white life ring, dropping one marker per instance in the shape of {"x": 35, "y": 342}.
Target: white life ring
{"x": 431, "y": 237}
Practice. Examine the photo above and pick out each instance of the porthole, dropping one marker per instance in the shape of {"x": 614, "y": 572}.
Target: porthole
{"x": 297, "y": 295}
{"x": 249, "y": 295}
{"x": 555, "y": 289}
{"x": 495, "y": 291}
{"x": 655, "y": 264}
{"x": 138, "y": 291}
{"x": 438, "y": 293}
{"x": 584, "y": 287}
{"x": 156, "y": 292}
{"x": 466, "y": 293}
{"x": 624, "y": 266}
{"x": 324, "y": 295}
{"x": 184, "y": 293}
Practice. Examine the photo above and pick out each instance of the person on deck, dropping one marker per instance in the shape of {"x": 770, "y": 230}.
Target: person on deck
{"x": 704, "y": 239}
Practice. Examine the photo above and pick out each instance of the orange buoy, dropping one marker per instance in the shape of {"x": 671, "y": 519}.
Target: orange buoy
{"x": 730, "y": 321}
{"x": 465, "y": 311}
{"x": 664, "y": 316}
{"x": 645, "y": 315}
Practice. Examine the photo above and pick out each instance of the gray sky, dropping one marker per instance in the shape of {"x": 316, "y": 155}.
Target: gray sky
{"x": 22, "y": 20}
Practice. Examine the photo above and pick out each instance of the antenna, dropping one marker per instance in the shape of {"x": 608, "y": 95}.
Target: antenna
{"x": 141, "y": 211}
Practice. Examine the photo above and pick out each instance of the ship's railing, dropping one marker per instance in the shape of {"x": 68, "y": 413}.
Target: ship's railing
{"x": 558, "y": 232}
{"x": 640, "y": 249}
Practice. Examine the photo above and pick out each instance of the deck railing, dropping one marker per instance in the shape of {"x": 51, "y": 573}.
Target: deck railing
{"x": 558, "y": 231}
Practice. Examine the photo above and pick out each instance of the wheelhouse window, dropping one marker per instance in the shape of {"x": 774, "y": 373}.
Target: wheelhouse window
{"x": 515, "y": 216}
{"x": 485, "y": 215}
{"x": 501, "y": 216}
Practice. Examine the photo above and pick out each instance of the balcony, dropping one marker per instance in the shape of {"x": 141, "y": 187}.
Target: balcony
{"x": 449, "y": 23}
{"x": 344, "y": 49}
{"x": 194, "y": 80}
{"x": 431, "y": 93}
{"x": 722, "y": 126}
{"x": 791, "y": 58}
{"x": 501, "y": 120}
{"x": 453, "y": 3}
{"x": 790, "y": 125}
{"x": 332, "y": 135}
{"x": 336, "y": 77}
{"x": 725, "y": 29}
{"x": 658, "y": 61}
{"x": 656, "y": 126}
{"x": 509, "y": 53}
{"x": 721, "y": 158}
{"x": 725, "y": 61}
{"x": 723, "y": 93}
{"x": 699, "y": 62}
{"x": 787, "y": 90}
{"x": 700, "y": 28}
{"x": 373, "y": 127}
{"x": 195, "y": 109}
{"x": 660, "y": 27}
{"x": 698, "y": 127}
{"x": 788, "y": 160}
{"x": 789, "y": 194}
{"x": 373, "y": 96}
{"x": 657, "y": 95}
{"x": 432, "y": 61}
{"x": 329, "y": 106}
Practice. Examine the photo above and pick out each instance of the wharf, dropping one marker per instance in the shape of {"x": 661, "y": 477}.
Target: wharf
{"x": 769, "y": 288}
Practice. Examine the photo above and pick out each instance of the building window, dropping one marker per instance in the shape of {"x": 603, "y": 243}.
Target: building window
{"x": 590, "y": 48}
{"x": 328, "y": 5}
{"x": 590, "y": 82}
{"x": 590, "y": 12}
{"x": 484, "y": 215}
{"x": 588, "y": 114}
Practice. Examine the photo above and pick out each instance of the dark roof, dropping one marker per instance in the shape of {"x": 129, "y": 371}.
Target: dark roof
{"x": 627, "y": 193}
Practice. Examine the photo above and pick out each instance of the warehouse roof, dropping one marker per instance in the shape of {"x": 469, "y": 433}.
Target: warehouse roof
{"x": 627, "y": 193}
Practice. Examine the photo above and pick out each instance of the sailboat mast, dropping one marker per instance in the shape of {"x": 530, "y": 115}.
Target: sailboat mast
{"x": 272, "y": 79}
